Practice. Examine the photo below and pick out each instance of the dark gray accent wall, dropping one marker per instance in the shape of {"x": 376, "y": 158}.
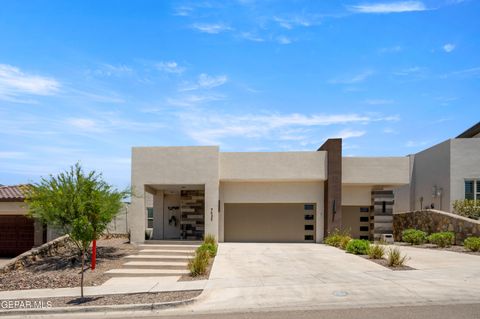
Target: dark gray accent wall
{"x": 192, "y": 208}
{"x": 333, "y": 185}
{"x": 383, "y": 201}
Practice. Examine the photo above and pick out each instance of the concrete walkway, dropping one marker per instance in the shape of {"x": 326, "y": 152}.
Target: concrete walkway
{"x": 118, "y": 285}
{"x": 249, "y": 277}
{"x": 4, "y": 261}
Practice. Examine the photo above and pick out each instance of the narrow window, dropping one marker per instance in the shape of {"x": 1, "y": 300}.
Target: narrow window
{"x": 364, "y": 209}
{"x": 308, "y": 207}
{"x": 364, "y": 219}
{"x": 469, "y": 194}
{"x": 150, "y": 217}
{"x": 308, "y": 217}
{"x": 308, "y": 237}
{"x": 364, "y": 237}
{"x": 384, "y": 207}
{"x": 363, "y": 228}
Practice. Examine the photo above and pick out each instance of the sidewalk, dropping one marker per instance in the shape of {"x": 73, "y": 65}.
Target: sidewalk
{"x": 118, "y": 285}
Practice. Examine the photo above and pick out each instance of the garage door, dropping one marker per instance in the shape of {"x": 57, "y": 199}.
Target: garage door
{"x": 16, "y": 235}
{"x": 269, "y": 222}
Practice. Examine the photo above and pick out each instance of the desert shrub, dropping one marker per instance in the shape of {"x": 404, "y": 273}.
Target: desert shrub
{"x": 210, "y": 239}
{"x": 395, "y": 258}
{"x": 211, "y": 249}
{"x": 467, "y": 207}
{"x": 414, "y": 236}
{"x": 198, "y": 265}
{"x": 344, "y": 240}
{"x": 472, "y": 243}
{"x": 358, "y": 246}
{"x": 443, "y": 239}
{"x": 376, "y": 252}
{"x": 336, "y": 238}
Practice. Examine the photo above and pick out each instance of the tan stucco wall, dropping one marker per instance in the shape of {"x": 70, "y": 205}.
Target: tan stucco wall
{"x": 351, "y": 220}
{"x": 265, "y": 166}
{"x": 375, "y": 170}
{"x": 196, "y": 165}
{"x": 265, "y": 222}
{"x": 13, "y": 208}
{"x": 356, "y": 195}
{"x": 274, "y": 192}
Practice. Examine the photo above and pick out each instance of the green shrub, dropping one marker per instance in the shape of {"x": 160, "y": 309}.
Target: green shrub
{"x": 210, "y": 248}
{"x": 414, "y": 236}
{"x": 337, "y": 238}
{"x": 210, "y": 239}
{"x": 467, "y": 208}
{"x": 198, "y": 265}
{"x": 395, "y": 258}
{"x": 376, "y": 252}
{"x": 443, "y": 239}
{"x": 358, "y": 246}
{"x": 344, "y": 240}
{"x": 472, "y": 243}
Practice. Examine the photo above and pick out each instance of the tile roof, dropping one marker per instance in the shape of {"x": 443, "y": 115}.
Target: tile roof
{"x": 14, "y": 193}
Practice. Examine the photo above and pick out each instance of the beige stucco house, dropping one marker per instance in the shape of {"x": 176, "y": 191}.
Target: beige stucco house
{"x": 262, "y": 196}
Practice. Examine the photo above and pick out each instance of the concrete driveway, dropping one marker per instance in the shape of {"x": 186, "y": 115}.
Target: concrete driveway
{"x": 252, "y": 276}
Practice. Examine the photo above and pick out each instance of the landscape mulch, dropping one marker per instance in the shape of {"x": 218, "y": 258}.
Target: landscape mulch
{"x": 63, "y": 269}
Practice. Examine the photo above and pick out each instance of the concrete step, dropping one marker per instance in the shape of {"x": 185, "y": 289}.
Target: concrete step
{"x": 177, "y": 252}
{"x": 180, "y": 265}
{"x": 145, "y": 272}
{"x": 169, "y": 258}
{"x": 172, "y": 242}
{"x": 168, "y": 247}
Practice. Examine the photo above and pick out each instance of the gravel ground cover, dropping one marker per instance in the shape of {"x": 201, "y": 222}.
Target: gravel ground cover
{"x": 202, "y": 277}
{"x": 454, "y": 248}
{"x": 63, "y": 269}
{"x": 384, "y": 263}
{"x": 138, "y": 298}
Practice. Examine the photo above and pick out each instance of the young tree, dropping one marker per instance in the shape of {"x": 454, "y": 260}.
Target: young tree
{"x": 78, "y": 204}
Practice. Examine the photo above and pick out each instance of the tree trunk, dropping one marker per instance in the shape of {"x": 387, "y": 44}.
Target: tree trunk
{"x": 81, "y": 276}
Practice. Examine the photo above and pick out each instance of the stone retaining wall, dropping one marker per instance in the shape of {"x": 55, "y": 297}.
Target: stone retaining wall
{"x": 48, "y": 249}
{"x": 432, "y": 221}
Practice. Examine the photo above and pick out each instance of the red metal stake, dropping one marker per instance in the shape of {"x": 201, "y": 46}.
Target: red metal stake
{"x": 94, "y": 254}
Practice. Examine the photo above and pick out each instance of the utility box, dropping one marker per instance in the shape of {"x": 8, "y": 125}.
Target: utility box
{"x": 387, "y": 238}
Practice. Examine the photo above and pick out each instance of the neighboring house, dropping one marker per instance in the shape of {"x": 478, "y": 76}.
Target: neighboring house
{"x": 18, "y": 233}
{"x": 443, "y": 173}
{"x": 262, "y": 196}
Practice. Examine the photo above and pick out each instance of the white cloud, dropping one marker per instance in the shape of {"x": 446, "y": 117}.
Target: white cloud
{"x": 415, "y": 143}
{"x": 291, "y": 22}
{"x": 192, "y": 100}
{"x": 348, "y": 133}
{"x": 12, "y": 155}
{"x": 411, "y": 71}
{"x": 205, "y": 81}
{"x": 357, "y": 78}
{"x": 212, "y": 128}
{"x": 393, "y": 7}
{"x": 14, "y": 84}
{"x": 251, "y": 37}
{"x": 211, "y": 28}
{"x": 284, "y": 40}
{"x": 449, "y": 47}
{"x": 378, "y": 101}
{"x": 111, "y": 70}
{"x": 393, "y": 49}
{"x": 170, "y": 67}
{"x": 84, "y": 124}
{"x": 183, "y": 11}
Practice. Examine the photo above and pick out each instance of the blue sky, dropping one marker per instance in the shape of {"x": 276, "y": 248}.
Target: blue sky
{"x": 87, "y": 80}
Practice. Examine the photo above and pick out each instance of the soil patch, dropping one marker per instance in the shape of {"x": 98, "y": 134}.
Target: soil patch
{"x": 63, "y": 269}
{"x": 384, "y": 263}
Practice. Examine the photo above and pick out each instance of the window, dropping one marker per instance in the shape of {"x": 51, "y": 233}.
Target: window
{"x": 363, "y": 228}
{"x": 308, "y": 207}
{"x": 308, "y": 237}
{"x": 308, "y": 227}
{"x": 384, "y": 207}
{"x": 364, "y": 209}
{"x": 364, "y": 219}
{"x": 472, "y": 189}
{"x": 308, "y": 217}
{"x": 150, "y": 217}
{"x": 364, "y": 237}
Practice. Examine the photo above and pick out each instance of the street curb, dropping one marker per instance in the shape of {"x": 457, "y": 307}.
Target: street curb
{"x": 91, "y": 309}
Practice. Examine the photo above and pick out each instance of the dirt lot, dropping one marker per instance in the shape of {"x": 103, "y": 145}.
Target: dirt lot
{"x": 63, "y": 270}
